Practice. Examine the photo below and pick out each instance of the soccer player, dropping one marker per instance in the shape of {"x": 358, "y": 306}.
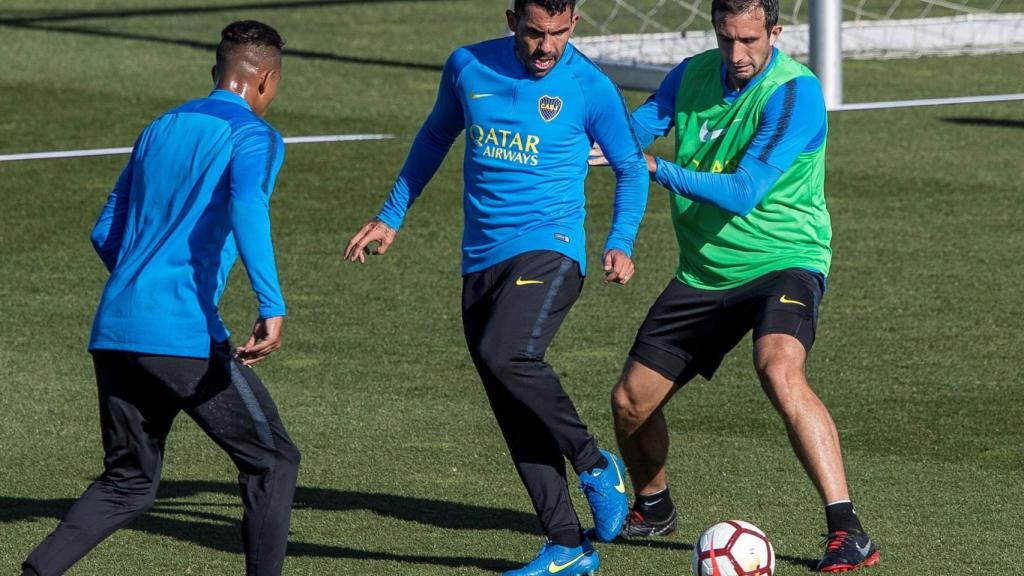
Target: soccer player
{"x": 194, "y": 195}
{"x": 747, "y": 200}
{"x": 531, "y": 107}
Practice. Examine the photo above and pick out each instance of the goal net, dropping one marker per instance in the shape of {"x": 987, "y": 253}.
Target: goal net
{"x": 635, "y": 40}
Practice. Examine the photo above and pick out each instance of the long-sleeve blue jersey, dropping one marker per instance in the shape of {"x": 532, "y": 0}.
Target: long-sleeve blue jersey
{"x": 194, "y": 195}
{"x": 527, "y": 143}
{"x": 787, "y": 129}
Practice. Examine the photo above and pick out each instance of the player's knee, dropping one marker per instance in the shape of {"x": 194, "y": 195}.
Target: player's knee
{"x": 785, "y": 384}
{"x": 142, "y": 504}
{"x": 498, "y": 359}
{"x": 628, "y": 404}
{"x": 621, "y": 405}
{"x": 136, "y": 495}
{"x": 289, "y": 456}
{"x": 772, "y": 375}
{"x": 779, "y": 359}
{"x": 284, "y": 459}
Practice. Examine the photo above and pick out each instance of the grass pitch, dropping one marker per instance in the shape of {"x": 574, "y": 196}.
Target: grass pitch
{"x": 404, "y": 470}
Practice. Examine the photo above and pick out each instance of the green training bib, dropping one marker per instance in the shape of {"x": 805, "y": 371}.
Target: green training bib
{"x": 790, "y": 228}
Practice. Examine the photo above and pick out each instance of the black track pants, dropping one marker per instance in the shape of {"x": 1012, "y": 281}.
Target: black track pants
{"x": 510, "y": 314}
{"x": 139, "y": 398}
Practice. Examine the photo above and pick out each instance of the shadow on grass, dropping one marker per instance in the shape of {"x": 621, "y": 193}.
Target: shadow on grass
{"x": 65, "y": 22}
{"x": 217, "y": 525}
{"x": 982, "y": 121}
{"x": 438, "y": 513}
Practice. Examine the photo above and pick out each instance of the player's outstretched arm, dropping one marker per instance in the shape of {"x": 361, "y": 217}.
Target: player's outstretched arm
{"x": 793, "y": 121}
{"x": 264, "y": 341}
{"x": 375, "y": 237}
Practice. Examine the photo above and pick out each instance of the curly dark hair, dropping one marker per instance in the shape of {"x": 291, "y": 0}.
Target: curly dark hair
{"x": 252, "y": 33}
{"x": 734, "y": 7}
{"x": 248, "y": 34}
{"x": 552, "y": 6}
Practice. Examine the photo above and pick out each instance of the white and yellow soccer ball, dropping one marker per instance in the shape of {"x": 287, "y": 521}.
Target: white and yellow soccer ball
{"x": 733, "y": 548}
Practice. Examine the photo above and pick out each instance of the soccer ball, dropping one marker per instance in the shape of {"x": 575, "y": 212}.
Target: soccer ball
{"x": 733, "y": 548}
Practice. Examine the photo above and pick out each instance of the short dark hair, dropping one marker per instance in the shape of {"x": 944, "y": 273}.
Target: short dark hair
{"x": 552, "y": 6}
{"x": 734, "y": 7}
{"x": 248, "y": 34}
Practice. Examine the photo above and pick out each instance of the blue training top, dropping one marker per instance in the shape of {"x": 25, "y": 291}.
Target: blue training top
{"x": 194, "y": 194}
{"x": 804, "y": 125}
{"x": 527, "y": 145}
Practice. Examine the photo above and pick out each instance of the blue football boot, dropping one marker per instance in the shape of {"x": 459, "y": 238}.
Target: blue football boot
{"x": 561, "y": 560}
{"x": 605, "y": 489}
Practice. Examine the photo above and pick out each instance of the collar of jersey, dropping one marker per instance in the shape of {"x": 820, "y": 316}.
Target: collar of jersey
{"x": 730, "y": 95}
{"x": 229, "y": 96}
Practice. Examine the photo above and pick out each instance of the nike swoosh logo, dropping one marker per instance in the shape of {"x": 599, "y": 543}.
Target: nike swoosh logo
{"x": 521, "y": 282}
{"x": 708, "y": 136}
{"x": 864, "y": 549}
{"x": 785, "y": 300}
{"x": 621, "y": 486}
{"x": 555, "y": 567}
{"x": 477, "y": 95}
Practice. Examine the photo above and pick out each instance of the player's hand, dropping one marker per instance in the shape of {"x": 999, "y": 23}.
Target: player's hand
{"x": 265, "y": 339}
{"x": 596, "y": 157}
{"x": 652, "y": 163}
{"x": 373, "y": 238}
{"x": 618, "y": 267}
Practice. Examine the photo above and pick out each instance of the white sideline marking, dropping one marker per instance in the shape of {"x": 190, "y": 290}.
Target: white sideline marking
{"x": 927, "y": 102}
{"x": 114, "y": 151}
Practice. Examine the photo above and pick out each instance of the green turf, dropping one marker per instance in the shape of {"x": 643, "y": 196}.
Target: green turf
{"x": 404, "y": 471}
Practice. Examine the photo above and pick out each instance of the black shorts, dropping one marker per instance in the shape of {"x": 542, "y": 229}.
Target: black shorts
{"x": 689, "y": 330}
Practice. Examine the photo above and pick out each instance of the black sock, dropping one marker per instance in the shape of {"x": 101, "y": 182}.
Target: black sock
{"x": 655, "y": 507}
{"x": 842, "y": 516}
{"x": 569, "y": 538}
{"x": 602, "y": 464}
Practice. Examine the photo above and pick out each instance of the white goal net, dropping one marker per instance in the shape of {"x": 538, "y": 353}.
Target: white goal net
{"x": 641, "y": 37}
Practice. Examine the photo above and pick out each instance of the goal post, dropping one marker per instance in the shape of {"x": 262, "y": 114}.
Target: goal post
{"x": 826, "y": 48}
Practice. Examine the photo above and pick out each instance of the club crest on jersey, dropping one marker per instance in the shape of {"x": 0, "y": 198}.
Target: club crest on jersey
{"x": 549, "y": 107}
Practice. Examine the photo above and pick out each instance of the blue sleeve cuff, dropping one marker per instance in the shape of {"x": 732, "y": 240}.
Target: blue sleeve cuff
{"x": 619, "y": 244}
{"x": 398, "y": 202}
{"x": 391, "y": 221}
{"x": 272, "y": 311}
